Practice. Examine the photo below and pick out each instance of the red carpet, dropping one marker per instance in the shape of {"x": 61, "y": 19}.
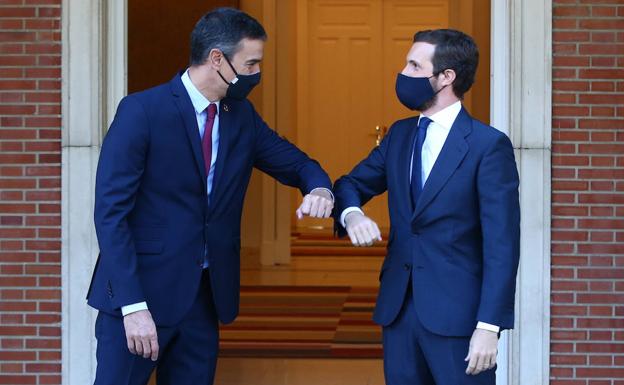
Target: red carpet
{"x": 303, "y": 321}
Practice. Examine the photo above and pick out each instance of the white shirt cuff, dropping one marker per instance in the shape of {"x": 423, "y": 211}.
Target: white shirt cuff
{"x": 129, "y": 309}
{"x": 487, "y": 326}
{"x": 347, "y": 211}
{"x": 326, "y": 189}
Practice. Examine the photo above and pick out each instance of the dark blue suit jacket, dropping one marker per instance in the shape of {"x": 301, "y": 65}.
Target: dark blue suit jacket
{"x": 152, "y": 216}
{"x": 461, "y": 242}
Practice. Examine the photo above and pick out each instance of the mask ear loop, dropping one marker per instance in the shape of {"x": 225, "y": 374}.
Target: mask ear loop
{"x": 232, "y": 67}
{"x": 443, "y": 87}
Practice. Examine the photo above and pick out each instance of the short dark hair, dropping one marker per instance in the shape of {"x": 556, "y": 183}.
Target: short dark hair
{"x": 453, "y": 50}
{"x": 223, "y": 29}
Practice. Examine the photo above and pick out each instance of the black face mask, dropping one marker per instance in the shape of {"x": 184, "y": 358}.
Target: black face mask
{"x": 414, "y": 93}
{"x": 241, "y": 85}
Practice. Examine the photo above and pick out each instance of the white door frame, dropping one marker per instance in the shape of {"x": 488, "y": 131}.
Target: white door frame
{"x": 94, "y": 80}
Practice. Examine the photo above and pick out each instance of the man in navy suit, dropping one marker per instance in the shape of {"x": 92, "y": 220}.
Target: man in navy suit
{"x": 170, "y": 185}
{"x": 448, "y": 281}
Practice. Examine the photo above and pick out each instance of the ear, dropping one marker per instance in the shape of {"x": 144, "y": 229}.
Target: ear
{"x": 215, "y": 59}
{"x": 448, "y": 77}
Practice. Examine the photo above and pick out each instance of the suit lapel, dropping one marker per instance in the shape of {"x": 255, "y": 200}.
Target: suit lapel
{"x": 187, "y": 112}
{"x": 225, "y": 138}
{"x": 453, "y": 152}
{"x": 405, "y": 159}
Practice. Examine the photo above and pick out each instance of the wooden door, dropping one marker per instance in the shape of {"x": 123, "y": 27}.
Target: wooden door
{"x": 348, "y": 55}
{"x": 159, "y": 38}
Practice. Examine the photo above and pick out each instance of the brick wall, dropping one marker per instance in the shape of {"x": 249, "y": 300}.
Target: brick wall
{"x": 30, "y": 158}
{"x": 587, "y": 323}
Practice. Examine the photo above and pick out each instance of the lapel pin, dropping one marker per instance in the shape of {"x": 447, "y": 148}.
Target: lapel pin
{"x": 226, "y": 108}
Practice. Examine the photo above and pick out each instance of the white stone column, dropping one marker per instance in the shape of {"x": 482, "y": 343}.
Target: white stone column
{"x": 521, "y": 107}
{"x": 93, "y": 82}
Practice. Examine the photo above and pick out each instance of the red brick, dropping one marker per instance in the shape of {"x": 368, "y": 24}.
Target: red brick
{"x": 566, "y": 48}
{"x": 600, "y": 311}
{"x": 567, "y": 123}
{"x": 601, "y": 298}
{"x": 601, "y": 74}
{"x": 560, "y": 359}
{"x": 561, "y": 372}
{"x": 602, "y": 236}
{"x": 571, "y": 36}
{"x": 561, "y": 348}
{"x": 49, "y": 233}
{"x": 42, "y": 294}
{"x": 44, "y": 368}
{"x": 569, "y": 260}
{"x": 571, "y": 61}
{"x": 44, "y": 220}
{"x": 561, "y": 98}
{"x": 601, "y": 261}
{"x": 601, "y": 99}
{"x": 43, "y": 318}
{"x": 17, "y": 379}
{"x": 614, "y": 24}
{"x": 570, "y": 136}
{"x": 565, "y": 24}
{"x": 562, "y": 273}
{"x": 570, "y": 186}
{"x": 561, "y": 322}
{"x": 17, "y": 134}
{"x": 570, "y": 211}
{"x": 570, "y": 236}
{"x": 595, "y": 273}
{"x": 603, "y": 11}
{"x": 49, "y": 281}
{"x": 601, "y": 112}
{"x": 558, "y": 223}
{"x": 600, "y": 372}
{"x": 569, "y": 285}
{"x": 601, "y": 198}
{"x": 601, "y": 61}
{"x": 602, "y": 186}
{"x": 571, "y": 11}
{"x": 43, "y": 171}
{"x": 42, "y": 24}
{"x": 601, "y": 248}
{"x": 601, "y": 49}
{"x": 561, "y": 298}
{"x": 571, "y": 86}
{"x": 571, "y": 160}
{"x": 570, "y": 111}
{"x": 565, "y": 73}
{"x": 601, "y": 286}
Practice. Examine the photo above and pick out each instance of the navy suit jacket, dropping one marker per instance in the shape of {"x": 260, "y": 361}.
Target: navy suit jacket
{"x": 460, "y": 243}
{"x": 152, "y": 216}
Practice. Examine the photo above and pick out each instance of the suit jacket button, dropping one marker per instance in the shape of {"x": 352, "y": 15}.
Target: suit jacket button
{"x": 407, "y": 266}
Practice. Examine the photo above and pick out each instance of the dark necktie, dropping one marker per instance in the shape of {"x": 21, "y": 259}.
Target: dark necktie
{"x": 416, "y": 181}
{"x": 207, "y": 139}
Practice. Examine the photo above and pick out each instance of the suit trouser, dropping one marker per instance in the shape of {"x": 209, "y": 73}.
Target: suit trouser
{"x": 188, "y": 350}
{"x": 415, "y": 356}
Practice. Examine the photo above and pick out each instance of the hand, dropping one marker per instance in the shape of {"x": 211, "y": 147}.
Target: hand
{"x": 141, "y": 334}
{"x": 361, "y": 229}
{"x": 317, "y": 204}
{"x": 482, "y": 352}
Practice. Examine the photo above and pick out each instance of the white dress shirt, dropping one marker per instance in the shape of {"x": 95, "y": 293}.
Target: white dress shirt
{"x": 437, "y": 132}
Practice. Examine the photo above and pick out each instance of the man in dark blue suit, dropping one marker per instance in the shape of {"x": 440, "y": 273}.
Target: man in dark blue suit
{"x": 170, "y": 185}
{"x": 447, "y": 285}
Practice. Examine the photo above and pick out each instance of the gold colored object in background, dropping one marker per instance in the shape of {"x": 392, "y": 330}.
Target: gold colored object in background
{"x": 380, "y": 132}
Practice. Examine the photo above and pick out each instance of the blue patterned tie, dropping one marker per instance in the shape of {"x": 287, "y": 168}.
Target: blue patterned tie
{"x": 416, "y": 181}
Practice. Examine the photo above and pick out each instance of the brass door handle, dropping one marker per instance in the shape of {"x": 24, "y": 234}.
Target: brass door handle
{"x": 380, "y": 132}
